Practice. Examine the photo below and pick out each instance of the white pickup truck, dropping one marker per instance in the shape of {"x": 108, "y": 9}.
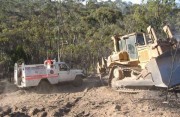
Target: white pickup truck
{"x": 33, "y": 75}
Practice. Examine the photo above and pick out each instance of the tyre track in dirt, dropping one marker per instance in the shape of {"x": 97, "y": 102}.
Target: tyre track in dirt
{"x": 90, "y": 100}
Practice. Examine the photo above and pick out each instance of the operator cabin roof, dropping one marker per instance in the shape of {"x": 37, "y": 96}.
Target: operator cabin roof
{"x": 118, "y": 37}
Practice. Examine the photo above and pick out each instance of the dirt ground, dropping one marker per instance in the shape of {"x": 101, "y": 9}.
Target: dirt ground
{"x": 91, "y": 100}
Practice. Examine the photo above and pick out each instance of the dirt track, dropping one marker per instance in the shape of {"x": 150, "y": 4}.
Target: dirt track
{"x": 92, "y": 100}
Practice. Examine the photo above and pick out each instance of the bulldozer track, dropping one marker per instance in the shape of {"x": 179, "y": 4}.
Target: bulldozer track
{"x": 130, "y": 91}
{"x": 140, "y": 89}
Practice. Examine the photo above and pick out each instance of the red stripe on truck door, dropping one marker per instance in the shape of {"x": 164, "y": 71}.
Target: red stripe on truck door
{"x": 41, "y": 76}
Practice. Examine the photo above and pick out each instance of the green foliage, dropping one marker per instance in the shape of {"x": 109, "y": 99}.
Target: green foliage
{"x": 107, "y": 15}
{"x": 31, "y": 30}
{"x": 18, "y": 55}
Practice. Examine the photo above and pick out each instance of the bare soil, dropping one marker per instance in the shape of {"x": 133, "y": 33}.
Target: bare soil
{"x": 92, "y": 100}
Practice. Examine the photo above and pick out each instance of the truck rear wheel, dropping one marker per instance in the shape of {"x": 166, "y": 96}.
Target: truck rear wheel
{"x": 44, "y": 86}
{"x": 78, "y": 81}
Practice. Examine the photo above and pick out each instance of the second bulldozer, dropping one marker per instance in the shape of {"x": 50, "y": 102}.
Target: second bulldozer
{"x": 141, "y": 59}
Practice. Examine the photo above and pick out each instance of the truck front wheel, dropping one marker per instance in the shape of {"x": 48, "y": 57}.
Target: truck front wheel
{"x": 78, "y": 81}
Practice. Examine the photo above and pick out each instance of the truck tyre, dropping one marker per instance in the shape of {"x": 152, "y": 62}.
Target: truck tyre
{"x": 44, "y": 87}
{"x": 78, "y": 81}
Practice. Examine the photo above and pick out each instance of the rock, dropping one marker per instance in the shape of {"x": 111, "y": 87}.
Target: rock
{"x": 77, "y": 99}
{"x": 34, "y": 111}
{"x": 86, "y": 113}
{"x": 66, "y": 110}
{"x": 86, "y": 90}
{"x": 69, "y": 105}
{"x": 60, "y": 112}
{"x": 161, "y": 113}
{"x": 6, "y": 110}
{"x": 23, "y": 109}
{"x": 14, "y": 108}
{"x": 117, "y": 107}
{"x": 125, "y": 112}
{"x": 21, "y": 92}
{"x": 57, "y": 114}
{"x": 43, "y": 114}
{"x": 142, "y": 111}
{"x": 42, "y": 109}
{"x": 18, "y": 114}
{"x": 93, "y": 103}
{"x": 81, "y": 114}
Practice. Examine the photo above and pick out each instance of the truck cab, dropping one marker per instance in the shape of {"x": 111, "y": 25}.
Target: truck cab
{"x": 65, "y": 73}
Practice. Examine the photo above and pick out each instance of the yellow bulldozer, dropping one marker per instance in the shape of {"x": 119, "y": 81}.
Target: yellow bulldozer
{"x": 141, "y": 59}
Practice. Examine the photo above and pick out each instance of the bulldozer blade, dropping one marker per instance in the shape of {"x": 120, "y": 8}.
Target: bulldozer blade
{"x": 165, "y": 69}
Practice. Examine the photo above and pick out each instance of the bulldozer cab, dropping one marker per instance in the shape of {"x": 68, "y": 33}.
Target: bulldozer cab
{"x": 131, "y": 42}
{"x": 137, "y": 45}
